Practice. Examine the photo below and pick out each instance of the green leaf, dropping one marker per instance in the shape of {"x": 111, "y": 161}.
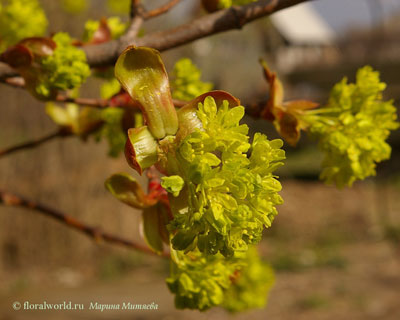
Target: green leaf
{"x": 151, "y": 228}
{"x": 128, "y": 190}
{"x": 142, "y": 74}
{"x": 173, "y": 184}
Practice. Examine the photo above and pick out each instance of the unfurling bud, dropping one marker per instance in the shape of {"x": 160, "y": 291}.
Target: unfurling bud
{"x": 140, "y": 149}
{"x": 142, "y": 74}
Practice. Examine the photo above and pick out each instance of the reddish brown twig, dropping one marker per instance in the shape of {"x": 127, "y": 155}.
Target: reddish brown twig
{"x": 11, "y": 199}
{"x": 161, "y": 10}
{"x": 33, "y": 143}
{"x": 89, "y": 102}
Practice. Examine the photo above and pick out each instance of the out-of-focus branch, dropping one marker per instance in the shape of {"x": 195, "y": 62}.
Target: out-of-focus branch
{"x": 16, "y": 82}
{"x": 33, "y": 143}
{"x": 137, "y": 19}
{"x": 11, "y": 199}
{"x": 6, "y": 72}
{"x": 89, "y": 102}
{"x": 161, "y": 10}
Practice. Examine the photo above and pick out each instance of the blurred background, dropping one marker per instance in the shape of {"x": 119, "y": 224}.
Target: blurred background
{"x": 336, "y": 253}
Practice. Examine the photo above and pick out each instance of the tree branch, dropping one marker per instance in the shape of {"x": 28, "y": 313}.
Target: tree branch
{"x": 224, "y": 20}
{"x": 33, "y": 143}
{"x": 6, "y": 72}
{"x": 161, "y": 10}
{"x": 11, "y": 199}
{"x": 137, "y": 19}
{"x": 87, "y": 102}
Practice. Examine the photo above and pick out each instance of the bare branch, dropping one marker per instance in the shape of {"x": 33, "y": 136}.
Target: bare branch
{"x": 6, "y": 72}
{"x": 136, "y": 8}
{"x": 137, "y": 19}
{"x": 161, "y": 10}
{"x": 11, "y": 199}
{"x": 88, "y": 102}
{"x": 33, "y": 143}
{"x": 220, "y": 21}
{"x": 16, "y": 82}
{"x": 104, "y": 54}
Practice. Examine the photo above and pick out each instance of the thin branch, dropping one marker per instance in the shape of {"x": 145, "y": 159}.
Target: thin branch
{"x": 236, "y": 17}
{"x": 6, "y": 72}
{"x": 104, "y": 103}
{"x": 135, "y": 5}
{"x": 137, "y": 19}
{"x": 33, "y": 143}
{"x": 161, "y": 10}
{"x": 88, "y": 102}
{"x": 134, "y": 28}
{"x": 16, "y": 82}
{"x": 221, "y": 21}
{"x": 11, "y": 199}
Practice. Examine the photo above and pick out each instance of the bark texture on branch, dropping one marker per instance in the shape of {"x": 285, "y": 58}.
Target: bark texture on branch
{"x": 11, "y": 199}
{"x": 236, "y": 17}
{"x": 224, "y": 20}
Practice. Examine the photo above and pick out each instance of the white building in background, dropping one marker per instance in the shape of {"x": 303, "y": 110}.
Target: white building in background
{"x": 303, "y": 25}
{"x": 311, "y": 28}
{"x": 320, "y": 22}
{"x": 310, "y": 38}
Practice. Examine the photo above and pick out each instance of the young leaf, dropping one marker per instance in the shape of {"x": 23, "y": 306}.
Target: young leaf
{"x": 151, "y": 228}
{"x": 140, "y": 149}
{"x": 128, "y": 190}
{"x": 173, "y": 184}
{"x": 142, "y": 74}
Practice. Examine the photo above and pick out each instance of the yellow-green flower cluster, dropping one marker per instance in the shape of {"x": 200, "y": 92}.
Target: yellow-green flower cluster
{"x": 202, "y": 281}
{"x": 65, "y": 69}
{"x": 117, "y": 28}
{"x": 186, "y": 83}
{"x": 112, "y": 130}
{"x": 20, "y": 19}
{"x": 199, "y": 281}
{"x": 352, "y": 128}
{"x": 229, "y": 186}
{"x": 251, "y": 286}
